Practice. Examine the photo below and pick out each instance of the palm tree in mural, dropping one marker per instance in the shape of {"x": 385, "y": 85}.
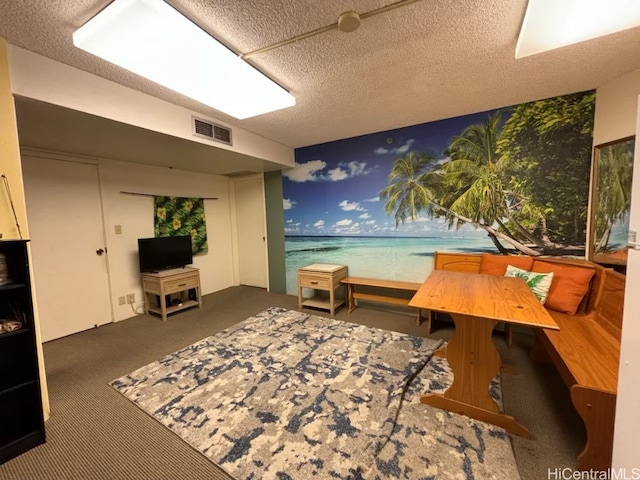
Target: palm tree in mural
{"x": 474, "y": 185}
{"x": 414, "y": 184}
{"x": 615, "y": 170}
{"x": 509, "y": 180}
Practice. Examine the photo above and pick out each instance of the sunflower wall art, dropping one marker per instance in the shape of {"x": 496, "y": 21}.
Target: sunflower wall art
{"x": 174, "y": 216}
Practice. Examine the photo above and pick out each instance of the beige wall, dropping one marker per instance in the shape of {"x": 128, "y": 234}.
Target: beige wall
{"x": 617, "y": 116}
{"x": 616, "y": 108}
{"x": 10, "y": 167}
{"x": 40, "y": 78}
{"x": 135, "y": 215}
{"x": 10, "y": 156}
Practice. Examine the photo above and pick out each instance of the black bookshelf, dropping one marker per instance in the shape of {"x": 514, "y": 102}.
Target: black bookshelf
{"x": 21, "y": 418}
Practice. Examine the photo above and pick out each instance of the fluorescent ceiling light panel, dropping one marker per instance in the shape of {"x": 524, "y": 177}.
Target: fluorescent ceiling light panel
{"x": 550, "y": 24}
{"x": 151, "y": 39}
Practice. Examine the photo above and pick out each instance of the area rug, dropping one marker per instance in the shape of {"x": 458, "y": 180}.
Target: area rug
{"x": 288, "y": 395}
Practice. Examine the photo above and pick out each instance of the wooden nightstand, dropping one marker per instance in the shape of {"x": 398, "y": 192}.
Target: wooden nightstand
{"x": 321, "y": 277}
{"x": 175, "y": 281}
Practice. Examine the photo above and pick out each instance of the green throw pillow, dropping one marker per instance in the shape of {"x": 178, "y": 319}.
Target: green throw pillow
{"x": 539, "y": 283}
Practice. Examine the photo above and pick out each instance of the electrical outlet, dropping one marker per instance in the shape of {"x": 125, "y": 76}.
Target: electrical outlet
{"x": 118, "y": 229}
{"x": 122, "y": 300}
{"x": 131, "y": 298}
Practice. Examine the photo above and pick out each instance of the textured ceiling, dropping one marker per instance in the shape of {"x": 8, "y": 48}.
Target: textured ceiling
{"x": 429, "y": 60}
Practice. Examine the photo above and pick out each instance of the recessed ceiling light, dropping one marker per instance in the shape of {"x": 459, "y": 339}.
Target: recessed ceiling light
{"x": 550, "y": 24}
{"x": 151, "y": 39}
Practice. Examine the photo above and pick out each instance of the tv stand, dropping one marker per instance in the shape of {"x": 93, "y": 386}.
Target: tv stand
{"x": 180, "y": 281}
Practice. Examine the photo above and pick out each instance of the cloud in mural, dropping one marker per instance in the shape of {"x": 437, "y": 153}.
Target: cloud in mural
{"x": 374, "y": 199}
{"x": 319, "y": 224}
{"x": 364, "y": 216}
{"x": 312, "y": 171}
{"x": 288, "y": 204}
{"x": 348, "y": 206}
{"x": 346, "y": 170}
{"x": 337, "y": 174}
{"x": 292, "y": 227}
{"x": 305, "y": 172}
{"x": 351, "y": 228}
{"x": 344, "y": 223}
{"x": 404, "y": 148}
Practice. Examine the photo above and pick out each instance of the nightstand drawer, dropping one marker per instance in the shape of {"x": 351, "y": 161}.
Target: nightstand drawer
{"x": 312, "y": 281}
{"x": 180, "y": 284}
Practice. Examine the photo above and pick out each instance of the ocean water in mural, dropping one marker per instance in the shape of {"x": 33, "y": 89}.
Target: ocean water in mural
{"x": 394, "y": 258}
{"x": 619, "y": 234}
{"x": 513, "y": 180}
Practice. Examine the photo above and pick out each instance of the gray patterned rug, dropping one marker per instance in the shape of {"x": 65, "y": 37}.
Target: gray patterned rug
{"x": 287, "y": 395}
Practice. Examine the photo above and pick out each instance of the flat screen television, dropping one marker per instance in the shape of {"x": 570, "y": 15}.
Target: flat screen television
{"x": 164, "y": 252}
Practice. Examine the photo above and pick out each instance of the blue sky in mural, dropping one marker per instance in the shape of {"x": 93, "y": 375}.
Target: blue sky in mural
{"x": 333, "y": 190}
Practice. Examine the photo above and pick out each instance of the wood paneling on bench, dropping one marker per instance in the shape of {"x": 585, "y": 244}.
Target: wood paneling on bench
{"x": 586, "y": 352}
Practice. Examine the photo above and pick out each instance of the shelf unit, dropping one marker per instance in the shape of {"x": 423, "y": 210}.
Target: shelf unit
{"x": 21, "y": 417}
{"x": 161, "y": 286}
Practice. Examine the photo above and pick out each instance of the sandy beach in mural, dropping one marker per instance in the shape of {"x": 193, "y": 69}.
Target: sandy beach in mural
{"x": 396, "y": 258}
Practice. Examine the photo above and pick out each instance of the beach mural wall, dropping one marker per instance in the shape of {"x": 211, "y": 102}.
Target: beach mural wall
{"x": 511, "y": 180}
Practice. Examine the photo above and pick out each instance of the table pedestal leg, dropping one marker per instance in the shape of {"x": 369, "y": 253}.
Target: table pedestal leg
{"x": 475, "y": 361}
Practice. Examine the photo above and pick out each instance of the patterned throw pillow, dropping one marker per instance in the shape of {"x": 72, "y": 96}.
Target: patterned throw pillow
{"x": 539, "y": 283}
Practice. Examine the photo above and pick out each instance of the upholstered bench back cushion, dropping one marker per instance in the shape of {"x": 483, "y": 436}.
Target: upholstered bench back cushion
{"x": 497, "y": 264}
{"x": 569, "y": 286}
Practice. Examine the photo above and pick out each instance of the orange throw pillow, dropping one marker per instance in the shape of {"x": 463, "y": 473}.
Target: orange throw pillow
{"x": 569, "y": 286}
{"x": 497, "y": 264}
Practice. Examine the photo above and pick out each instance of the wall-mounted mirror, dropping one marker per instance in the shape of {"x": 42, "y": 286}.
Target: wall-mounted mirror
{"x": 610, "y": 201}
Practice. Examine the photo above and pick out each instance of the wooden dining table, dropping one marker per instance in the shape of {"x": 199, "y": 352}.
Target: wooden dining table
{"x": 477, "y": 302}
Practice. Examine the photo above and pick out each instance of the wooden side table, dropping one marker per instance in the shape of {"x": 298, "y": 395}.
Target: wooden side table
{"x": 322, "y": 277}
{"x": 166, "y": 282}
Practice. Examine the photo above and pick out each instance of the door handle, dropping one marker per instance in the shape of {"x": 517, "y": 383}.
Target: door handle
{"x": 100, "y": 251}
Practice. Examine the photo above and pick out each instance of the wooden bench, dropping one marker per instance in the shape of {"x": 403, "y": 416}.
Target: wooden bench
{"x": 353, "y": 294}
{"x": 585, "y": 351}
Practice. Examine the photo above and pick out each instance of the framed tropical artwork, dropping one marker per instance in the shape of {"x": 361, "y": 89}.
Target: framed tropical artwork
{"x": 611, "y": 201}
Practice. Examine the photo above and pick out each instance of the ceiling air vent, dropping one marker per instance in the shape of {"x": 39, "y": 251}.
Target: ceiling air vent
{"x": 204, "y": 129}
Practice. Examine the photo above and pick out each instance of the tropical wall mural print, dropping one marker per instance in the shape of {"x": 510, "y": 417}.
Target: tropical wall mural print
{"x": 509, "y": 180}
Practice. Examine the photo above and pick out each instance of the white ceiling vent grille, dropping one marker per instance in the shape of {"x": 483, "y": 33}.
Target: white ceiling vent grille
{"x": 204, "y": 129}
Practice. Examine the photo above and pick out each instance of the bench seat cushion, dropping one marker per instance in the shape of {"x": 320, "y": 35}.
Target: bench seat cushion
{"x": 589, "y": 353}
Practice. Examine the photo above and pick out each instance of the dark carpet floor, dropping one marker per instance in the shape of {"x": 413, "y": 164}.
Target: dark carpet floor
{"x": 94, "y": 433}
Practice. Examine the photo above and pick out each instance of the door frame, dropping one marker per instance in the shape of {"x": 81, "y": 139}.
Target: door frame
{"x": 235, "y": 220}
{"x": 26, "y": 151}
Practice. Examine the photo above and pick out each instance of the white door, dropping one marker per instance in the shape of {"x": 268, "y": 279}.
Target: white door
{"x": 65, "y": 225}
{"x": 625, "y": 440}
{"x": 252, "y": 250}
